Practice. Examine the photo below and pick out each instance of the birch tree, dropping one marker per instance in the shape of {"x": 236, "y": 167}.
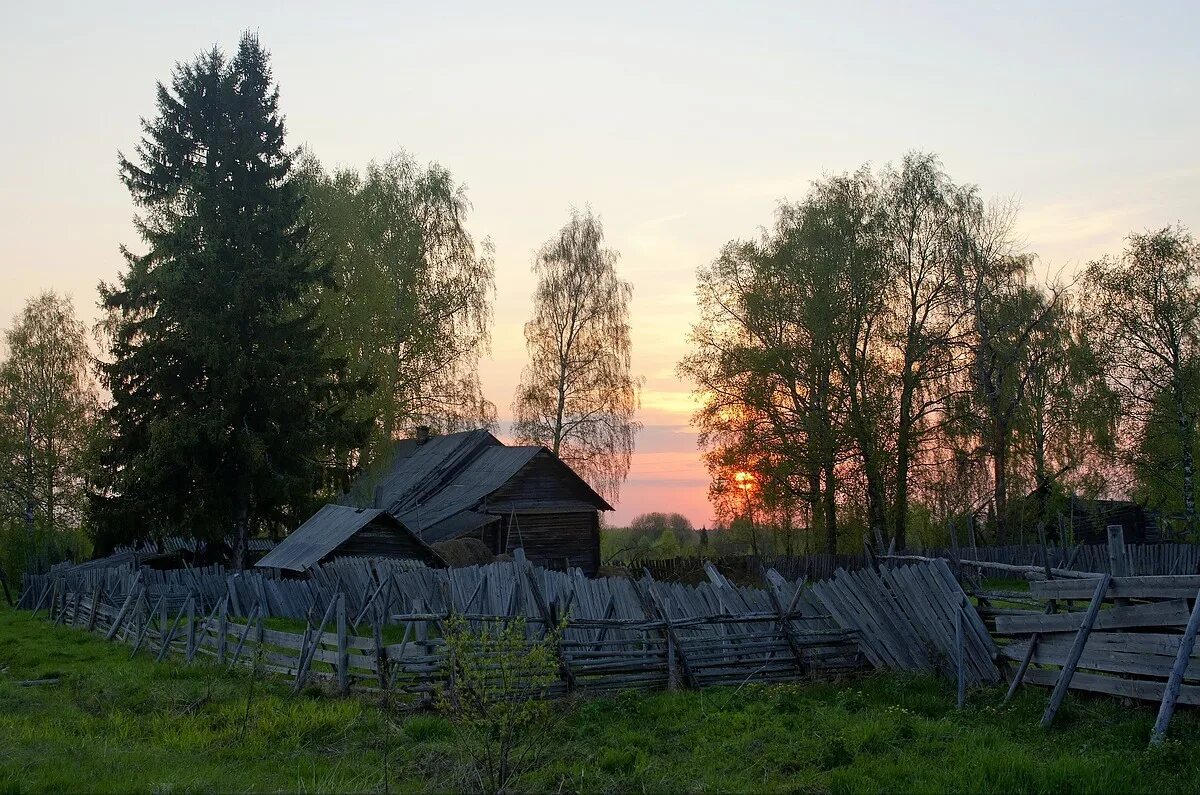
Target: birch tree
{"x": 413, "y": 307}
{"x": 577, "y": 395}
{"x": 47, "y": 410}
{"x": 1144, "y": 313}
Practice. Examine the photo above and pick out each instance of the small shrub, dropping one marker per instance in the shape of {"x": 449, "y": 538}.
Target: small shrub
{"x": 496, "y": 697}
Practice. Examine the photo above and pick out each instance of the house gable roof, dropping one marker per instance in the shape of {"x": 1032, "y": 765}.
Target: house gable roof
{"x": 438, "y": 488}
{"x": 325, "y": 531}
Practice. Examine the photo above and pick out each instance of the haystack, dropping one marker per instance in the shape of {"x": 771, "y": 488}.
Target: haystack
{"x": 463, "y": 552}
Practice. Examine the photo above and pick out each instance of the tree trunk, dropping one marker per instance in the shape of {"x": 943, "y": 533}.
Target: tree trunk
{"x": 241, "y": 533}
{"x": 1000, "y": 490}
{"x": 830, "y": 509}
{"x": 869, "y": 449}
{"x": 32, "y": 558}
{"x": 903, "y": 442}
{"x": 1187, "y": 464}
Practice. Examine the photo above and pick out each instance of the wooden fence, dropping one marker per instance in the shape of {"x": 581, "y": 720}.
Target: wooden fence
{"x": 646, "y": 635}
{"x": 1143, "y": 559}
{"x": 913, "y": 618}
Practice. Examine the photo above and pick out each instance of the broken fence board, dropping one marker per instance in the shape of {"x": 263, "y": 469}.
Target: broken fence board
{"x": 1114, "y": 685}
{"x": 1159, "y": 614}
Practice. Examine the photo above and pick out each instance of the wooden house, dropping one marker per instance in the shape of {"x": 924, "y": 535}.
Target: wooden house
{"x": 471, "y": 485}
{"x": 1071, "y": 518}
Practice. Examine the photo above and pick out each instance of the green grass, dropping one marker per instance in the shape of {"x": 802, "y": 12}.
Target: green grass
{"x": 113, "y": 724}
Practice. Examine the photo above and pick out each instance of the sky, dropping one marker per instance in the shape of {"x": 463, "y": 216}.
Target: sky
{"x": 683, "y": 125}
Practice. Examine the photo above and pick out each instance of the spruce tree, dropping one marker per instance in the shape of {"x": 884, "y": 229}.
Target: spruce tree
{"x": 224, "y": 401}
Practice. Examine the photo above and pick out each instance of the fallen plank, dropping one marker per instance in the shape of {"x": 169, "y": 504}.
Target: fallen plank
{"x": 1115, "y": 686}
{"x": 1048, "y": 652}
{"x": 1160, "y": 614}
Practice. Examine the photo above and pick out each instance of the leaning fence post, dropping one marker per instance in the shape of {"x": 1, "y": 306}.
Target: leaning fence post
{"x": 961, "y": 677}
{"x": 343, "y": 654}
{"x": 381, "y": 655}
{"x": 1171, "y": 691}
{"x": 170, "y": 636}
{"x": 1068, "y": 669}
{"x": 191, "y": 628}
{"x": 95, "y": 606}
{"x": 222, "y": 631}
{"x": 116, "y": 625}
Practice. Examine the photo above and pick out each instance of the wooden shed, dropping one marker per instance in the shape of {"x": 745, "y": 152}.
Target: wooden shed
{"x": 341, "y": 531}
{"x": 471, "y": 484}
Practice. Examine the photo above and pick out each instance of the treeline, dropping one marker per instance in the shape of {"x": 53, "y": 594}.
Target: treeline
{"x": 887, "y": 357}
{"x": 280, "y": 327}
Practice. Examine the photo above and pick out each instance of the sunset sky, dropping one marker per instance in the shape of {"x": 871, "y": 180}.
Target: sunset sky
{"x": 683, "y": 125}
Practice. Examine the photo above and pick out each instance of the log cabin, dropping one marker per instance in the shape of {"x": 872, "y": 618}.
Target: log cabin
{"x": 472, "y": 485}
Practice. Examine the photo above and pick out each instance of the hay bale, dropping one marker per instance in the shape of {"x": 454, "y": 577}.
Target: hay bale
{"x": 615, "y": 571}
{"x": 463, "y": 552}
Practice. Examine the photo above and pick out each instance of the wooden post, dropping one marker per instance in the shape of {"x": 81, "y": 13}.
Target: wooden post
{"x": 62, "y": 610}
{"x": 343, "y": 653}
{"x": 116, "y": 624}
{"x": 960, "y": 674}
{"x": 1171, "y": 692}
{"x": 306, "y": 659}
{"x": 222, "y": 630}
{"x": 76, "y": 610}
{"x": 1118, "y": 561}
{"x": 954, "y": 554}
{"x": 381, "y": 658}
{"x": 785, "y": 624}
{"x": 191, "y": 628}
{"x": 1068, "y": 669}
{"x": 1051, "y": 607}
{"x": 53, "y": 599}
{"x": 42, "y": 599}
{"x": 96, "y": 596}
{"x": 145, "y": 628}
{"x": 170, "y": 636}
{"x": 548, "y": 623}
{"x": 237, "y": 651}
{"x": 653, "y": 608}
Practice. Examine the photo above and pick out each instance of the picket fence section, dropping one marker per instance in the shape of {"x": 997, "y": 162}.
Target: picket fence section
{"x": 913, "y": 618}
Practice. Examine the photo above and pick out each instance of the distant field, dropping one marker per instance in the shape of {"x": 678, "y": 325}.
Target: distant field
{"x": 112, "y": 724}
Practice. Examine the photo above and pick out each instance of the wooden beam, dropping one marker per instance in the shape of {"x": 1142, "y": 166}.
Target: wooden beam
{"x": 961, "y": 677}
{"x": 343, "y": 653}
{"x": 539, "y": 600}
{"x": 1146, "y": 587}
{"x": 1155, "y": 614}
{"x": 1171, "y": 691}
{"x": 1064, "y": 679}
{"x": 1142, "y": 689}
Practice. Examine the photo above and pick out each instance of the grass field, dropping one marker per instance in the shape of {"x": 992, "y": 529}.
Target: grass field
{"x": 112, "y": 724}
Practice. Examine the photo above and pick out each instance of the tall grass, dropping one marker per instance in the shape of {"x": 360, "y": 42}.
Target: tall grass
{"x": 116, "y": 725}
